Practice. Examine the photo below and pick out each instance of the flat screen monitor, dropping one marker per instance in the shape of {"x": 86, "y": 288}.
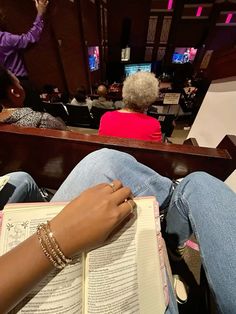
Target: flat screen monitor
{"x": 134, "y": 68}
{"x": 93, "y": 58}
{"x": 184, "y": 55}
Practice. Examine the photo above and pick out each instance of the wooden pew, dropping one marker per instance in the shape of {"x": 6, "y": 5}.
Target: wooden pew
{"x": 50, "y": 155}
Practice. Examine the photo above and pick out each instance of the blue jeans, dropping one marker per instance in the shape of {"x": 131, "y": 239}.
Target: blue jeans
{"x": 20, "y": 188}
{"x": 205, "y": 206}
{"x": 200, "y": 204}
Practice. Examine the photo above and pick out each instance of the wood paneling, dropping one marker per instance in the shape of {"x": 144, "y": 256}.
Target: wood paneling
{"x": 60, "y": 57}
{"x": 49, "y": 155}
{"x": 66, "y": 24}
{"x": 223, "y": 64}
{"x": 138, "y": 12}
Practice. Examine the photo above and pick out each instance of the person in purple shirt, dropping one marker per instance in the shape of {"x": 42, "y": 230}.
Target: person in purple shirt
{"x": 11, "y": 47}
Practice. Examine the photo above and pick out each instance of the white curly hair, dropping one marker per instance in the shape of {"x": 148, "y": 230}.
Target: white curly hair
{"x": 140, "y": 90}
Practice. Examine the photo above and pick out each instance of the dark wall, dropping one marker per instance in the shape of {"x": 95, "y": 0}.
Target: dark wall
{"x": 40, "y": 59}
{"x": 127, "y": 25}
{"x": 223, "y": 64}
{"x": 90, "y": 23}
{"x": 119, "y": 12}
{"x": 60, "y": 57}
{"x": 222, "y": 37}
{"x": 64, "y": 17}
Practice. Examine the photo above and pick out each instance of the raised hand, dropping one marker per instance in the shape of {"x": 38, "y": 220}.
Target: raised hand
{"x": 41, "y": 6}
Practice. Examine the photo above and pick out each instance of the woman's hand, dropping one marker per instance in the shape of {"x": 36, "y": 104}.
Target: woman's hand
{"x": 84, "y": 223}
{"x": 90, "y": 218}
{"x": 41, "y": 6}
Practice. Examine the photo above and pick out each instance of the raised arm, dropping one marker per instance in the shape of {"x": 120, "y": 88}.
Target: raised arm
{"x": 85, "y": 222}
{"x": 33, "y": 35}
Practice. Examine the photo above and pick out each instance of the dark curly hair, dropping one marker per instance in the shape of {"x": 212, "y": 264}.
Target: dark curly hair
{"x": 80, "y": 94}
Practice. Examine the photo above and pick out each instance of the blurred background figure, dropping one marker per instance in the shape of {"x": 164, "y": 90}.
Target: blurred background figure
{"x": 12, "y": 97}
{"x": 11, "y": 47}
{"x": 81, "y": 98}
{"x": 102, "y": 101}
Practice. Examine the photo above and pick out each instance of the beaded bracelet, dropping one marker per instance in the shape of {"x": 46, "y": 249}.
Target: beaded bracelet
{"x": 47, "y": 247}
{"x": 50, "y": 247}
{"x": 44, "y": 249}
{"x": 56, "y": 246}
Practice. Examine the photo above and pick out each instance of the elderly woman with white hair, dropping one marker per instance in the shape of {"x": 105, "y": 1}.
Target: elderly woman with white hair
{"x": 140, "y": 90}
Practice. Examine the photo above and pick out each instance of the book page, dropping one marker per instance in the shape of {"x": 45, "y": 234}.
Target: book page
{"x": 124, "y": 276}
{"x": 3, "y": 181}
{"x": 59, "y": 292}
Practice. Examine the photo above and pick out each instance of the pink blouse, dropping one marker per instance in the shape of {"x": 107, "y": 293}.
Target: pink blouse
{"x": 130, "y": 125}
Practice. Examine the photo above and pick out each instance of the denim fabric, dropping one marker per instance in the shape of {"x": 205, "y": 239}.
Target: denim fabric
{"x": 105, "y": 165}
{"x": 205, "y": 206}
{"x": 200, "y": 203}
{"x": 20, "y": 188}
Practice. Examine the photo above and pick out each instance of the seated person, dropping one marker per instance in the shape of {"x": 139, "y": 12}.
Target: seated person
{"x": 50, "y": 93}
{"x": 102, "y": 101}
{"x": 199, "y": 204}
{"x": 12, "y": 97}
{"x": 19, "y": 187}
{"x": 81, "y": 99}
{"x": 119, "y": 104}
{"x": 140, "y": 90}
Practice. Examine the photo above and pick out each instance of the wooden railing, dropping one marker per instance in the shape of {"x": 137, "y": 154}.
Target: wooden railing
{"x": 50, "y": 155}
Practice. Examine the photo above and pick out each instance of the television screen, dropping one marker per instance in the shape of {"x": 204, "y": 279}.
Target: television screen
{"x": 93, "y": 58}
{"x": 184, "y": 55}
{"x": 133, "y": 68}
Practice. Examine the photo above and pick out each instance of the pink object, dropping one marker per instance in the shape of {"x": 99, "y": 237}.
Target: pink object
{"x": 130, "y": 125}
{"x": 199, "y": 11}
{"x": 193, "y": 245}
{"x": 228, "y": 18}
{"x": 170, "y": 4}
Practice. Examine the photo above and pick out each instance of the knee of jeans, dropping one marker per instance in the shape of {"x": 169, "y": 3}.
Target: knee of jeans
{"x": 25, "y": 178}
{"x": 200, "y": 179}
{"x": 107, "y": 159}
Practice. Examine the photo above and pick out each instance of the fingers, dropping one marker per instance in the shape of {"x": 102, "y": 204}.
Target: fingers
{"x": 128, "y": 207}
{"x": 114, "y": 186}
{"x": 43, "y": 2}
{"x": 118, "y": 193}
{"x": 121, "y": 195}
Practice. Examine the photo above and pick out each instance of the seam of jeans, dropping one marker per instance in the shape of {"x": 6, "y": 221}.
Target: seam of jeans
{"x": 146, "y": 185}
{"x": 194, "y": 230}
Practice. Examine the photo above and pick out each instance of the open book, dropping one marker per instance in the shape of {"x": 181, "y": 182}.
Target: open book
{"x": 123, "y": 276}
{"x": 3, "y": 181}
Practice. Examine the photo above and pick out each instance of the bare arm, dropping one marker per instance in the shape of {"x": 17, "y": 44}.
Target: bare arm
{"x": 85, "y": 222}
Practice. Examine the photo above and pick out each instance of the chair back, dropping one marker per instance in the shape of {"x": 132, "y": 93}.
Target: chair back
{"x": 56, "y": 109}
{"x": 166, "y": 120}
{"x": 97, "y": 113}
{"x": 79, "y": 116}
